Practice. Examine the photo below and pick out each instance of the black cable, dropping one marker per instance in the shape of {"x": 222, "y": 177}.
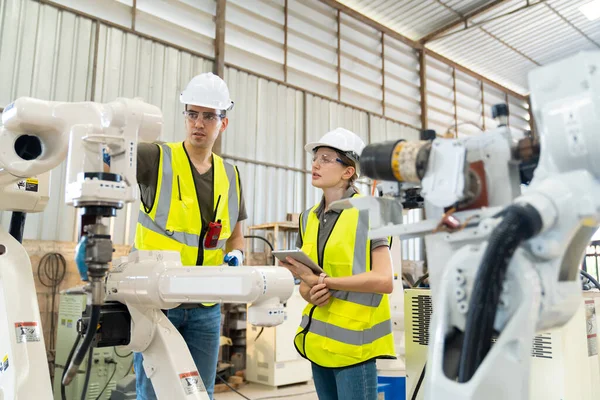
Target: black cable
{"x": 108, "y": 381}
{"x": 421, "y": 280}
{"x": 590, "y": 277}
{"x": 87, "y": 340}
{"x": 419, "y": 383}
{"x": 259, "y": 333}
{"x": 121, "y": 356}
{"x": 520, "y": 222}
{"x": 17, "y": 225}
{"x": 63, "y": 394}
{"x": 231, "y": 387}
{"x": 52, "y": 270}
{"x": 88, "y": 373}
{"x": 267, "y": 242}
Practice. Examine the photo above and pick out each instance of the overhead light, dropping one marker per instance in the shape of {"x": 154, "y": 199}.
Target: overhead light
{"x": 591, "y": 10}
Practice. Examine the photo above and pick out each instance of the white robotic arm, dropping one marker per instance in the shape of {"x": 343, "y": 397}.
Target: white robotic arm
{"x": 149, "y": 281}
{"x": 502, "y": 265}
{"x": 35, "y": 137}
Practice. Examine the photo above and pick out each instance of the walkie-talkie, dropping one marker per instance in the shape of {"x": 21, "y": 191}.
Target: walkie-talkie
{"x": 211, "y": 240}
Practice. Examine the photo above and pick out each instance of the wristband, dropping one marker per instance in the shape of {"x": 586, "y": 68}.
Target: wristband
{"x": 322, "y": 278}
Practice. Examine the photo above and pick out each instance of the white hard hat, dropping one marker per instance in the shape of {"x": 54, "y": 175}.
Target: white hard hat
{"x": 343, "y": 140}
{"x": 207, "y": 90}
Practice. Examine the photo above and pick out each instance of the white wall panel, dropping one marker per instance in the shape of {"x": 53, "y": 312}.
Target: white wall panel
{"x": 468, "y": 105}
{"x": 361, "y": 64}
{"x": 440, "y": 96}
{"x": 45, "y": 53}
{"x": 116, "y": 11}
{"x": 518, "y": 112}
{"x": 186, "y": 23}
{"x": 312, "y": 46}
{"x": 383, "y": 130}
{"x": 255, "y": 36}
{"x": 402, "y": 82}
{"x": 267, "y": 121}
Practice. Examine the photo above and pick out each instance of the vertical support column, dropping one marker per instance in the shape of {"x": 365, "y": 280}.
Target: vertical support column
{"x": 482, "y": 105}
{"x": 507, "y": 109}
{"x": 285, "y": 41}
{"x": 455, "y": 108}
{"x": 219, "y": 65}
{"x": 423, "y": 87}
{"x": 95, "y": 62}
{"x": 133, "y": 14}
{"x": 531, "y": 118}
{"x": 383, "y": 73}
{"x": 339, "y": 54}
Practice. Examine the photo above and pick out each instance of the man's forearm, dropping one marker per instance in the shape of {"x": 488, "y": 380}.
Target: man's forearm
{"x": 235, "y": 243}
{"x": 236, "y": 240}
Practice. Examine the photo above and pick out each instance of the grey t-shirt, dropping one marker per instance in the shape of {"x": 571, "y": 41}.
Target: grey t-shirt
{"x": 327, "y": 221}
{"x": 147, "y": 176}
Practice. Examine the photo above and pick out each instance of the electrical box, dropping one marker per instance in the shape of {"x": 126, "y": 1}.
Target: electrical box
{"x": 565, "y": 363}
{"x": 109, "y": 364}
{"x": 271, "y": 358}
{"x": 417, "y": 315}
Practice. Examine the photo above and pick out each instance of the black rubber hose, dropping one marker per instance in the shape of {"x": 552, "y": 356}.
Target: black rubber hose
{"x": 264, "y": 240}
{"x": 63, "y": 393}
{"x": 85, "y": 344}
{"x": 520, "y": 222}
{"x": 88, "y": 374}
{"x": 591, "y": 278}
{"x": 419, "y": 383}
{"x": 17, "y": 225}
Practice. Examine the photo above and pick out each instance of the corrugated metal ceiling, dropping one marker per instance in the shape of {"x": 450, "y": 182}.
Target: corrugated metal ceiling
{"x": 509, "y": 38}
{"x": 414, "y": 18}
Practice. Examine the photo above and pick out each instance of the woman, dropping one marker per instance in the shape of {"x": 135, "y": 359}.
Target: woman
{"x": 346, "y": 324}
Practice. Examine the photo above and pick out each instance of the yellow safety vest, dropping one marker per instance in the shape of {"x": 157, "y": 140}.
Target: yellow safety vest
{"x": 174, "y": 221}
{"x": 353, "y": 327}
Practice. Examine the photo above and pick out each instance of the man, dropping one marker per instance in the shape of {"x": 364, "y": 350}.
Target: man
{"x": 192, "y": 203}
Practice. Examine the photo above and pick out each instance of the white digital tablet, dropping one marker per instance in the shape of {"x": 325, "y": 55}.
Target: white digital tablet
{"x": 299, "y": 256}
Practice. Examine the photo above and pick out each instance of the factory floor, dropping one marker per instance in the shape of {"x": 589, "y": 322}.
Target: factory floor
{"x": 255, "y": 391}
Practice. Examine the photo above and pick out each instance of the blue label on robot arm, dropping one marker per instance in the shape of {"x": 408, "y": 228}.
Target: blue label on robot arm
{"x": 80, "y": 258}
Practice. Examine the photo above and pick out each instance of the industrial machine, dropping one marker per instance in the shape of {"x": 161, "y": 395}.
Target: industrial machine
{"x": 270, "y": 359}
{"x": 503, "y": 263}
{"x": 108, "y": 366}
{"x": 564, "y": 361}
{"x": 124, "y": 305}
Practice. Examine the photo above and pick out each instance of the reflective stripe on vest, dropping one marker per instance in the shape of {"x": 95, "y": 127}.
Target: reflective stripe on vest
{"x": 348, "y": 336}
{"x": 177, "y": 226}
{"x": 353, "y": 327}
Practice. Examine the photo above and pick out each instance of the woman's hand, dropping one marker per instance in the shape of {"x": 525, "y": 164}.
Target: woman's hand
{"x": 319, "y": 295}
{"x": 301, "y": 271}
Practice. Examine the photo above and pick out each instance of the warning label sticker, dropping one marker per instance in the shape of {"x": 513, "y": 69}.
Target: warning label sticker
{"x": 4, "y": 364}
{"x": 592, "y": 327}
{"x": 191, "y": 382}
{"x": 27, "y": 332}
{"x": 28, "y": 185}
